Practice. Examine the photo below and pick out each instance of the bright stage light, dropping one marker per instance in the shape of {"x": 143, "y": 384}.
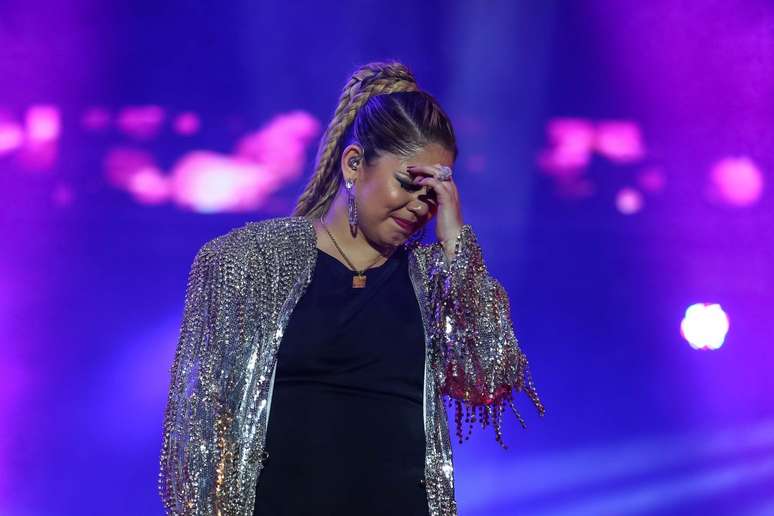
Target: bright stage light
{"x": 572, "y": 141}
{"x": 43, "y": 124}
{"x": 11, "y": 137}
{"x": 704, "y": 326}
{"x": 208, "y": 182}
{"x": 280, "y": 146}
{"x": 736, "y": 181}
{"x": 149, "y": 186}
{"x": 628, "y": 201}
{"x": 619, "y": 141}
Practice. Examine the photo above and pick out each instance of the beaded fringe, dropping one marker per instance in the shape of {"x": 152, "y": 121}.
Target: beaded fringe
{"x": 467, "y": 413}
{"x": 480, "y": 365}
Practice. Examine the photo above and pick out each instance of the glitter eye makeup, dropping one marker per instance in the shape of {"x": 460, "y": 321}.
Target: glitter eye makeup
{"x": 407, "y": 184}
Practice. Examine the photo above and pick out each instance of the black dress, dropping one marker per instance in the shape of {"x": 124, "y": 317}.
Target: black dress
{"x": 345, "y": 433}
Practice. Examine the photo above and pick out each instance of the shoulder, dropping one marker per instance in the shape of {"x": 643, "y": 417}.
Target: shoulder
{"x": 241, "y": 245}
{"x": 280, "y": 230}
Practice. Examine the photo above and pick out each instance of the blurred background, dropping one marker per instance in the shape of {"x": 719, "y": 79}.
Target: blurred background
{"x": 616, "y": 162}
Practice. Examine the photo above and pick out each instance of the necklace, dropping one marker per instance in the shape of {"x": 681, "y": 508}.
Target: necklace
{"x": 359, "y": 279}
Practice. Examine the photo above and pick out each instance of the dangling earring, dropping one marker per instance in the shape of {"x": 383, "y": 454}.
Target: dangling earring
{"x": 351, "y": 207}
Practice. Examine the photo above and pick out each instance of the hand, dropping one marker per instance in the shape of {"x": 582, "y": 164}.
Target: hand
{"x": 449, "y": 215}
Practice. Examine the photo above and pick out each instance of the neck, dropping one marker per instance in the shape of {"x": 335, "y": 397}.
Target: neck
{"x": 359, "y": 249}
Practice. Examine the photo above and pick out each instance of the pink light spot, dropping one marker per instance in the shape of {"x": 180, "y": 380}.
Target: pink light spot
{"x": 651, "y": 179}
{"x": 121, "y": 164}
{"x": 280, "y": 146}
{"x": 11, "y": 137}
{"x": 141, "y": 122}
{"x": 705, "y": 326}
{"x": 95, "y": 119}
{"x": 149, "y": 186}
{"x": 207, "y": 182}
{"x": 263, "y": 161}
{"x": 187, "y": 123}
{"x": 571, "y": 143}
{"x": 628, "y": 201}
{"x": 43, "y": 124}
{"x": 619, "y": 141}
{"x": 736, "y": 181}
{"x": 210, "y": 182}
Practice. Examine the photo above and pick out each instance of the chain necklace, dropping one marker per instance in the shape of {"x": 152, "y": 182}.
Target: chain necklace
{"x": 359, "y": 279}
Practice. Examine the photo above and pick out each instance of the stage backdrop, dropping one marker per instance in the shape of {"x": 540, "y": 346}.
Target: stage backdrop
{"x": 616, "y": 162}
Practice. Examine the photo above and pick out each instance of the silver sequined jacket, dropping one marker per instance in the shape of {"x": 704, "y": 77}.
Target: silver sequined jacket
{"x": 241, "y": 290}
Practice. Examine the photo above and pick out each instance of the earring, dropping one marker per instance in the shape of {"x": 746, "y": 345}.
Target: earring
{"x": 351, "y": 206}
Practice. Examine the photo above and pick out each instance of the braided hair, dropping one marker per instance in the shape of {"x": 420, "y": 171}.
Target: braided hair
{"x": 382, "y": 109}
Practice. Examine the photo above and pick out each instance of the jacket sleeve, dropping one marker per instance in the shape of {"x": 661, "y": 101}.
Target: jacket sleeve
{"x": 195, "y": 451}
{"x": 480, "y": 366}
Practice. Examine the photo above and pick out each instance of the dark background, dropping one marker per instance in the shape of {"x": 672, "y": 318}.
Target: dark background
{"x": 638, "y": 422}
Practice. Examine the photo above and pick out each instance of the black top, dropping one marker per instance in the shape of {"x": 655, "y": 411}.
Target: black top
{"x": 345, "y": 433}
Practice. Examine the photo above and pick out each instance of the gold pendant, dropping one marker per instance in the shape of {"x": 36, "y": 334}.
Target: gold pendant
{"x": 358, "y": 281}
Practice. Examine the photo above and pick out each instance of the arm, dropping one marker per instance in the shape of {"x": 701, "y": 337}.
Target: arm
{"x": 195, "y": 450}
{"x": 481, "y": 365}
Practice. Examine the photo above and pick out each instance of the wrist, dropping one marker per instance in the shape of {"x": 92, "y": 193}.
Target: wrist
{"x": 450, "y": 244}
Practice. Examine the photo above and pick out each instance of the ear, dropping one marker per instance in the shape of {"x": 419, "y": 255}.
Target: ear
{"x": 352, "y": 162}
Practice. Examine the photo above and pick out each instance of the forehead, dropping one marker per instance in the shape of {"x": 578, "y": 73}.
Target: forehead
{"x": 430, "y": 154}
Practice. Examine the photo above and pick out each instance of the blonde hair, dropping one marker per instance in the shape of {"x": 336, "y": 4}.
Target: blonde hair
{"x": 381, "y": 108}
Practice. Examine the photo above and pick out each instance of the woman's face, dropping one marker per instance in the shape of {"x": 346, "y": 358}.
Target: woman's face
{"x": 390, "y": 207}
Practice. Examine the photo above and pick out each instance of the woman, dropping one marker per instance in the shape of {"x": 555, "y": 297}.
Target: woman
{"x": 345, "y": 330}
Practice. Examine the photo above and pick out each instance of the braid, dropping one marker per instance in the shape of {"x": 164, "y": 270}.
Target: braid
{"x": 367, "y": 81}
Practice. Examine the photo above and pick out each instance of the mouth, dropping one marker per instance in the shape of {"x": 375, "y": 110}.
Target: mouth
{"x": 404, "y": 224}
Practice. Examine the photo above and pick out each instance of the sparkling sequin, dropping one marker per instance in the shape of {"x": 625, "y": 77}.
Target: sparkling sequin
{"x": 241, "y": 290}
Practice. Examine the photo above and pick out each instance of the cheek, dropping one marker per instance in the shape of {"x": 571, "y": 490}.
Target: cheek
{"x": 383, "y": 197}
{"x": 395, "y": 196}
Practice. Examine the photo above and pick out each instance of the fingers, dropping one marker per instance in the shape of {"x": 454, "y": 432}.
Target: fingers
{"x": 427, "y": 174}
{"x": 445, "y": 191}
{"x": 430, "y": 170}
{"x": 446, "y": 196}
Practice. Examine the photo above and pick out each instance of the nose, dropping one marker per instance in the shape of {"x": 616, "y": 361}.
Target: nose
{"x": 423, "y": 204}
{"x": 418, "y": 208}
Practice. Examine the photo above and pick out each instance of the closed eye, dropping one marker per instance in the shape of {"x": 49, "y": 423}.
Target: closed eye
{"x": 409, "y": 186}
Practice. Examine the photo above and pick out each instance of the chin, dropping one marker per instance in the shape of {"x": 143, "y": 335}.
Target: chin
{"x": 396, "y": 239}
